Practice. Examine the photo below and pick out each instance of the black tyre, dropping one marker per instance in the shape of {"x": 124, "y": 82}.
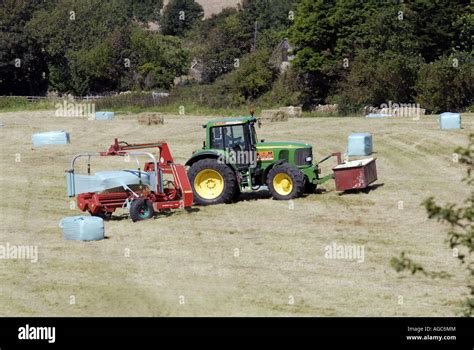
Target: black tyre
{"x": 212, "y": 182}
{"x": 285, "y": 182}
{"x": 141, "y": 209}
{"x": 236, "y": 195}
{"x": 309, "y": 187}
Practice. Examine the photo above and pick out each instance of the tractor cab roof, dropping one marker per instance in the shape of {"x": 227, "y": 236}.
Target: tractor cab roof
{"x": 230, "y": 121}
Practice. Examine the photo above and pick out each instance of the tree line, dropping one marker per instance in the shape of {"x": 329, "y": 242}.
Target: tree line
{"x": 350, "y": 52}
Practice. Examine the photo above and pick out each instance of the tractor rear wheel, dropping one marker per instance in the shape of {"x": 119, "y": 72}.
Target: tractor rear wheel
{"x": 212, "y": 182}
{"x": 285, "y": 182}
{"x": 141, "y": 209}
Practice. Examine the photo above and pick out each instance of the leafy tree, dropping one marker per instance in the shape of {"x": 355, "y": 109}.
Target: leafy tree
{"x": 67, "y": 29}
{"x": 156, "y": 59}
{"x": 391, "y": 29}
{"x": 88, "y": 46}
{"x": 315, "y": 33}
{"x": 446, "y": 84}
{"x": 179, "y": 16}
{"x": 22, "y": 61}
{"x": 223, "y": 44}
{"x": 438, "y": 26}
{"x": 102, "y": 67}
{"x": 254, "y": 75}
{"x": 460, "y": 218}
{"x": 374, "y": 79}
{"x": 229, "y": 35}
{"x": 89, "y": 69}
{"x": 73, "y": 25}
{"x": 466, "y": 36}
{"x": 253, "y": 78}
{"x": 146, "y": 10}
{"x": 286, "y": 90}
{"x": 270, "y": 15}
{"x": 327, "y": 32}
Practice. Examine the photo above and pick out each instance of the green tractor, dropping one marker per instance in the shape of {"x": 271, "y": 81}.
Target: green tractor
{"x": 233, "y": 161}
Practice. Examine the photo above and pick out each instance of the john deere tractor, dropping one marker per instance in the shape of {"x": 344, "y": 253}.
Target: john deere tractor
{"x": 232, "y": 161}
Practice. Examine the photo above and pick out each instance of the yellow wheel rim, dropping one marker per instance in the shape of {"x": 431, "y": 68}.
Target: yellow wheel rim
{"x": 282, "y": 184}
{"x": 208, "y": 184}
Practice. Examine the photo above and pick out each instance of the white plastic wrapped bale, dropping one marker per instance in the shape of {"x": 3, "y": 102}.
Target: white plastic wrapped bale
{"x": 359, "y": 144}
{"x": 378, "y": 115}
{"x": 82, "y": 228}
{"x": 104, "y": 115}
{"x": 50, "y": 138}
{"x": 112, "y": 179}
{"x": 106, "y": 180}
{"x": 449, "y": 120}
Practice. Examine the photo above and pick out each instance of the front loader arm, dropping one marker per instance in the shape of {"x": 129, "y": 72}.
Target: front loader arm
{"x": 328, "y": 177}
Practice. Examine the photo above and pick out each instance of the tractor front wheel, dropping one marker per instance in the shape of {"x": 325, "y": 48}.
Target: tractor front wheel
{"x": 141, "y": 209}
{"x": 309, "y": 187}
{"x": 213, "y": 182}
{"x": 285, "y": 182}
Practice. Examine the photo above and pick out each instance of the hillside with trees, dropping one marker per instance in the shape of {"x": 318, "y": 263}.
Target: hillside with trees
{"x": 350, "y": 52}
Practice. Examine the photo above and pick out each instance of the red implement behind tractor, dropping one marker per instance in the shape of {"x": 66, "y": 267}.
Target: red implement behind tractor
{"x": 167, "y": 188}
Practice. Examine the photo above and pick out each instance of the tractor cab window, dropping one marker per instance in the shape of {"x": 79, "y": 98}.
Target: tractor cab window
{"x": 228, "y": 137}
{"x": 253, "y": 135}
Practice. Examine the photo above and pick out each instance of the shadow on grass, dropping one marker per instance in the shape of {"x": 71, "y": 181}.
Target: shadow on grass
{"x": 118, "y": 217}
{"x": 363, "y": 190}
{"x": 253, "y": 196}
{"x": 316, "y": 191}
{"x": 265, "y": 194}
{"x": 162, "y": 213}
{"x": 170, "y": 212}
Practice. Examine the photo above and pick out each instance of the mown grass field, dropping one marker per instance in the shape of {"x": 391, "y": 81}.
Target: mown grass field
{"x": 185, "y": 264}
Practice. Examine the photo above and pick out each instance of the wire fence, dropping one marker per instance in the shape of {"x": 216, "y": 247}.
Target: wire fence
{"x": 57, "y": 98}
{"x": 155, "y": 96}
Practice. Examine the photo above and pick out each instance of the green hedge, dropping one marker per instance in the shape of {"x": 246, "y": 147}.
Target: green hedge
{"x": 7, "y": 102}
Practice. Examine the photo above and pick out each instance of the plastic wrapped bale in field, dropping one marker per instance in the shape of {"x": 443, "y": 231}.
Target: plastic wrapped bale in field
{"x": 450, "y": 120}
{"x": 378, "y": 115}
{"x": 105, "y": 180}
{"x": 50, "y": 138}
{"x": 82, "y": 228}
{"x": 104, "y": 115}
{"x": 359, "y": 144}
{"x": 112, "y": 179}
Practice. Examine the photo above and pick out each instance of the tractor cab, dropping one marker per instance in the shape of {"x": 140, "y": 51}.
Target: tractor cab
{"x": 233, "y": 138}
{"x": 234, "y": 134}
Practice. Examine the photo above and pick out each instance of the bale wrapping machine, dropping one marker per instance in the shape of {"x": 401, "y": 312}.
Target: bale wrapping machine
{"x": 166, "y": 186}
